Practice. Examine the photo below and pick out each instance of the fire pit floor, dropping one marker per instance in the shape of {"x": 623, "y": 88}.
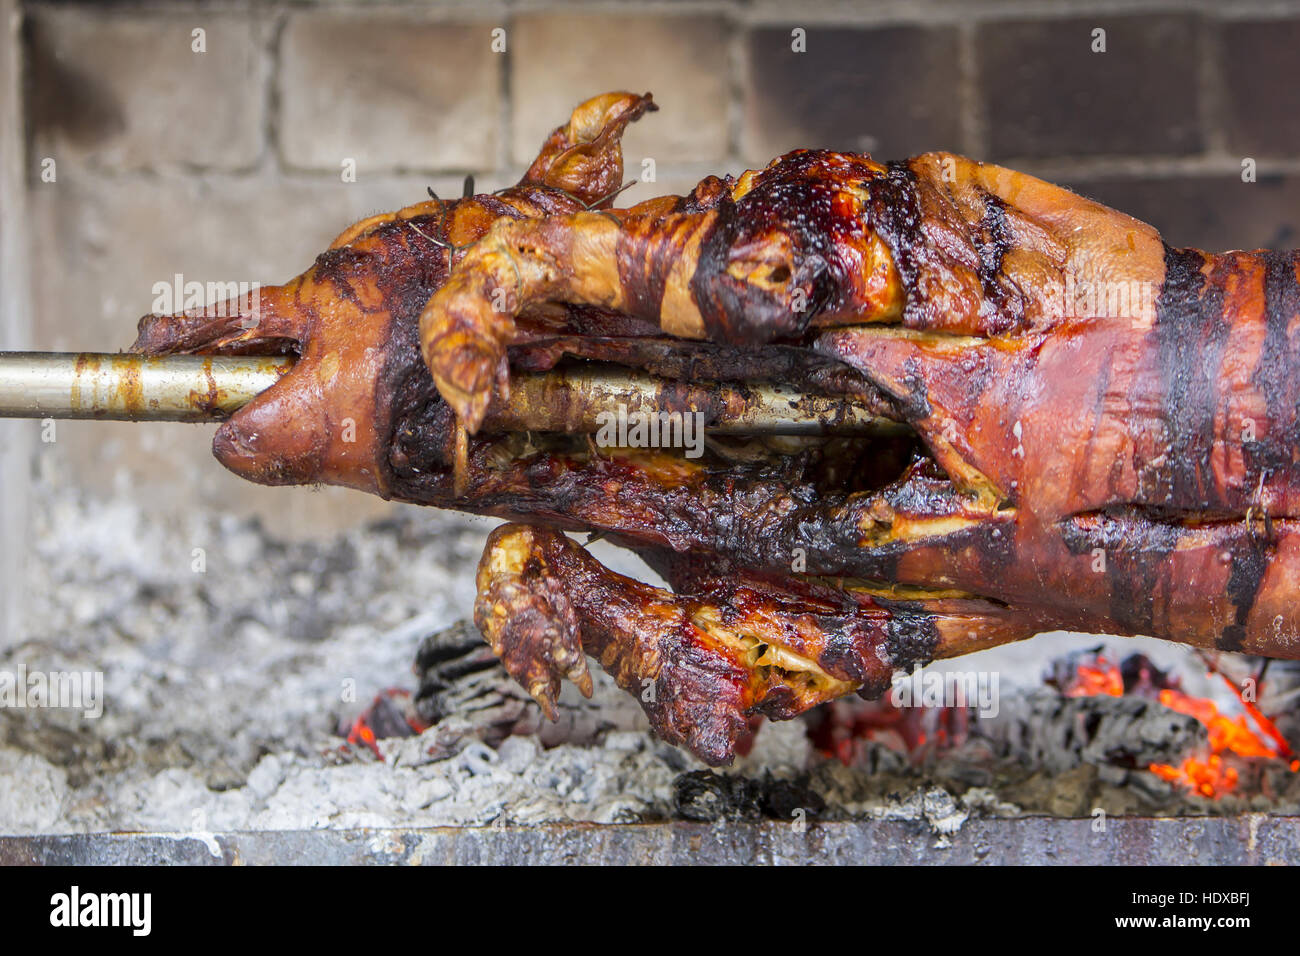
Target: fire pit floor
{"x": 1251, "y": 839}
{"x": 229, "y": 695}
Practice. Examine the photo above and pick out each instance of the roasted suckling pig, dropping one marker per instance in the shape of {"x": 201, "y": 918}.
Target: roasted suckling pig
{"x": 1076, "y": 426}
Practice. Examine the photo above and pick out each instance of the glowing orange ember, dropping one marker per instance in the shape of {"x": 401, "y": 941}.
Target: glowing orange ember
{"x": 364, "y": 732}
{"x": 1207, "y": 775}
{"x": 1267, "y": 726}
{"x": 361, "y": 734}
{"x": 1225, "y": 733}
{"x": 1097, "y": 680}
{"x": 1209, "y": 778}
{"x": 916, "y": 732}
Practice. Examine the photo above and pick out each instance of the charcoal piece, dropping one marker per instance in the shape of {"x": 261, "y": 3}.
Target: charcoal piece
{"x": 706, "y": 796}
{"x": 460, "y": 678}
{"x": 387, "y": 718}
{"x": 784, "y": 799}
{"x": 444, "y": 662}
{"x": 1128, "y": 732}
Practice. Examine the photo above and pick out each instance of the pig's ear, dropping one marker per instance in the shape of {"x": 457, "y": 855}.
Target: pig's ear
{"x": 256, "y": 321}
{"x": 584, "y": 157}
{"x": 991, "y": 251}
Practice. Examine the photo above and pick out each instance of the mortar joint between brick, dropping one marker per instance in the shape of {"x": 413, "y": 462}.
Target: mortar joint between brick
{"x": 938, "y": 13}
{"x": 506, "y": 109}
{"x": 918, "y": 12}
{"x": 974, "y": 121}
{"x": 737, "y": 35}
{"x": 272, "y": 94}
{"x": 1213, "y": 89}
{"x": 1147, "y": 167}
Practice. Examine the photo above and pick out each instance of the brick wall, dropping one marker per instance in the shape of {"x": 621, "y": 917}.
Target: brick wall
{"x": 15, "y": 320}
{"x": 226, "y": 164}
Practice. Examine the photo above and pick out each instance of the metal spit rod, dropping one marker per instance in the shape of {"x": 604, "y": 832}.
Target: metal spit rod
{"x": 133, "y": 388}
{"x": 189, "y": 388}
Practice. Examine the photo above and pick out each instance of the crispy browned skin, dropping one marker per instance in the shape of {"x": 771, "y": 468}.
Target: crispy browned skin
{"x": 1103, "y": 430}
{"x": 1165, "y": 447}
{"x": 726, "y": 262}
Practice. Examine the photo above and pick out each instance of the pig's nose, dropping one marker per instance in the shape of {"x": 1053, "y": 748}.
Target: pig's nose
{"x": 276, "y": 440}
